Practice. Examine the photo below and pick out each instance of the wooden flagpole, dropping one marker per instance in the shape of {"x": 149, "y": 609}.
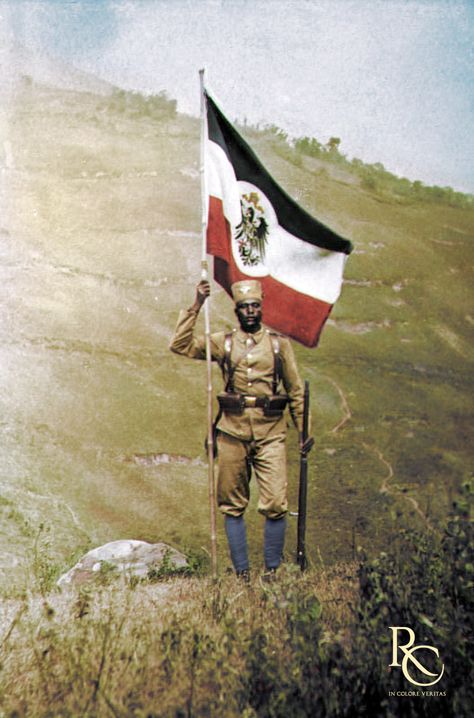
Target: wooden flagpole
{"x": 207, "y": 329}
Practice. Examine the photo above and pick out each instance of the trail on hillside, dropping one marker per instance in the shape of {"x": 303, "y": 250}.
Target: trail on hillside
{"x": 53, "y": 500}
{"x": 388, "y": 488}
{"x": 347, "y": 414}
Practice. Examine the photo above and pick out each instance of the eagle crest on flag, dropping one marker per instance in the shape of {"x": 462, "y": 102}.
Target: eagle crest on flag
{"x": 252, "y": 232}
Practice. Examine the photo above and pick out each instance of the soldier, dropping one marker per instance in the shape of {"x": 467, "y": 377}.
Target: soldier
{"x": 251, "y": 426}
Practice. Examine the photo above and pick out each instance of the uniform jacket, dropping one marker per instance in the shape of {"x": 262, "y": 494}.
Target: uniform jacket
{"x": 253, "y": 356}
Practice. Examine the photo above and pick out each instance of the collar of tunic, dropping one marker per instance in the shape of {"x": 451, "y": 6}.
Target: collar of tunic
{"x": 256, "y": 338}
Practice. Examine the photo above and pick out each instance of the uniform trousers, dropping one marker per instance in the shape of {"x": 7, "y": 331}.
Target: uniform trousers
{"x": 267, "y": 457}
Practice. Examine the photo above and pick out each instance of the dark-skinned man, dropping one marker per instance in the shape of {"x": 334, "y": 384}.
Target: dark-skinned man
{"x": 251, "y": 429}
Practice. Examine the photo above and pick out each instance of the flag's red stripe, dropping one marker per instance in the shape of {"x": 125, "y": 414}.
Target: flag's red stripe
{"x": 295, "y": 314}
{"x": 218, "y": 231}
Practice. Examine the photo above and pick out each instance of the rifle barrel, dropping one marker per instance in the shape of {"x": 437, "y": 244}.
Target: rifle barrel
{"x": 303, "y": 487}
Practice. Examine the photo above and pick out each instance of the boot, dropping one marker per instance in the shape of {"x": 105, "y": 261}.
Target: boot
{"x": 243, "y": 575}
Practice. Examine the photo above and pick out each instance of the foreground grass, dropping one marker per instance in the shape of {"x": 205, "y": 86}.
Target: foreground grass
{"x": 183, "y": 646}
{"x": 312, "y": 644}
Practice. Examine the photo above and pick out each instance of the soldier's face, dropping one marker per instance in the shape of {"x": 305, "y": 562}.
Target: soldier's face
{"x": 249, "y": 314}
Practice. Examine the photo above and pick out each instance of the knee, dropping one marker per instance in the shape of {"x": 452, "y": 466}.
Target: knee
{"x": 233, "y": 511}
{"x": 274, "y": 511}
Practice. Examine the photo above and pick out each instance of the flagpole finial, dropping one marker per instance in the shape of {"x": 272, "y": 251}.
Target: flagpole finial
{"x": 203, "y": 78}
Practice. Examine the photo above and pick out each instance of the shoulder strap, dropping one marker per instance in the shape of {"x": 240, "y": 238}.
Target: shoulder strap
{"x": 227, "y": 369}
{"x": 277, "y": 364}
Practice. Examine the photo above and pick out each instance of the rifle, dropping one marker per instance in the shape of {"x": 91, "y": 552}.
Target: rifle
{"x": 306, "y": 446}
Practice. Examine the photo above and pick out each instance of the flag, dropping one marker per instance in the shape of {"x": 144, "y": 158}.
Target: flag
{"x": 256, "y": 230}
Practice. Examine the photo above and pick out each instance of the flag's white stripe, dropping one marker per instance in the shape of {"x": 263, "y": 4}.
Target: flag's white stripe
{"x": 222, "y": 182}
{"x": 303, "y": 267}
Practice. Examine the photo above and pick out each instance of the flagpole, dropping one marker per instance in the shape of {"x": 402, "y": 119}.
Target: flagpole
{"x": 207, "y": 330}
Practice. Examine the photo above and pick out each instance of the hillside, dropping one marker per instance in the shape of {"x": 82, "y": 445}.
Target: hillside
{"x": 100, "y": 247}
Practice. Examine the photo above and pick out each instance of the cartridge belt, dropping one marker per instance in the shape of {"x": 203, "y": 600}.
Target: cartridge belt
{"x": 273, "y": 405}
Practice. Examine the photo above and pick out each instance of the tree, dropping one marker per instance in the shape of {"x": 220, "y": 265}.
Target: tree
{"x": 333, "y": 144}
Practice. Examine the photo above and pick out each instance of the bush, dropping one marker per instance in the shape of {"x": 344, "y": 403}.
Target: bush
{"x": 426, "y": 583}
{"x": 134, "y": 104}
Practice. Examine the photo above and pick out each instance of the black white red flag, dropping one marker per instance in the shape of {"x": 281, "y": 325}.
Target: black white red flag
{"x": 255, "y": 230}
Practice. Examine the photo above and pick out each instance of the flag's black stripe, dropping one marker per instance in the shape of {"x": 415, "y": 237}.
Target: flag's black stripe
{"x": 248, "y": 168}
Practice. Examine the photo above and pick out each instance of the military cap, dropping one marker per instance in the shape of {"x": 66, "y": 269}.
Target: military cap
{"x": 247, "y": 289}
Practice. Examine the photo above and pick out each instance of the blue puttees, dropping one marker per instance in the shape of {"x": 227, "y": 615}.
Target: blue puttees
{"x": 274, "y": 539}
{"x": 237, "y": 539}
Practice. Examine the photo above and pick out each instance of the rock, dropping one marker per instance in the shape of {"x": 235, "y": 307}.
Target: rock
{"x": 129, "y": 557}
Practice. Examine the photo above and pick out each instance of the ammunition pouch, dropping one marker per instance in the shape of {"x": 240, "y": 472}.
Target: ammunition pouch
{"x": 231, "y": 403}
{"x": 275, "y": 405}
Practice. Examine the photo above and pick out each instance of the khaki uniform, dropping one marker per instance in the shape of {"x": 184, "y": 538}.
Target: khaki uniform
{"x": 250, "y": 436}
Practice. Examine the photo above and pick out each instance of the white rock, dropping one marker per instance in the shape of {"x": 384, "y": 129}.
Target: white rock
{"x": 134, "y": 558}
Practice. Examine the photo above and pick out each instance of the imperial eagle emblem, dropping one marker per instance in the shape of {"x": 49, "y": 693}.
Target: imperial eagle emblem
{"x": 252, "y": 232}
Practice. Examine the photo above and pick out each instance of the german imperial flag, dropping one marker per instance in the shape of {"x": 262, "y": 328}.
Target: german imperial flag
{"x": 256, "y": 230}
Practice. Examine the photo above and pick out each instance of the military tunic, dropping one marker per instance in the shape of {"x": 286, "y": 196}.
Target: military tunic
{"x": 250, "y": 436}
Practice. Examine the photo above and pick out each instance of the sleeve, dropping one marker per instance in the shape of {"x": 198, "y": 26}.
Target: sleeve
{"x": 186, "y": 343}
{"x": 292, "y": 382}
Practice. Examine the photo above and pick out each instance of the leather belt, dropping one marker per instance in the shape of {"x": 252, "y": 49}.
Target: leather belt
{"x": 251, "y": 402}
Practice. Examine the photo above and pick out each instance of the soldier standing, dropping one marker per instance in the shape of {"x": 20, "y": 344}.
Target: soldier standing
{"x": 251, "y": 424}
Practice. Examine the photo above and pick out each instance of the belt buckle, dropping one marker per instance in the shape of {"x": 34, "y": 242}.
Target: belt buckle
{"x": 251, "y": 401}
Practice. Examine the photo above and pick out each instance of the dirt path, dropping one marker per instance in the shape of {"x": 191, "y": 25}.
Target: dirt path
{"x": 347, "y": 414}
{"x": 59, "y": 503}
{"x": 388, "y": 488}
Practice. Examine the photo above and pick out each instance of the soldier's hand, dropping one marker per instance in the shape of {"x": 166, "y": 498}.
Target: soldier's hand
{"x": 306, "y": 446}
{"x": 203, "y": 290}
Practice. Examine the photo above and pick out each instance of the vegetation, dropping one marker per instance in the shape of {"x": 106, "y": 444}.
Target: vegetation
{"x": 136, "y": 105}
{"x": 307, "y": 644}
{"x": 372, "y": 177}
{"x": 376, "y": 178}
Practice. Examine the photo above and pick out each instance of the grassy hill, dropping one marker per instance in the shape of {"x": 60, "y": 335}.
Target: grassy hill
{"x": 100, "y": 247}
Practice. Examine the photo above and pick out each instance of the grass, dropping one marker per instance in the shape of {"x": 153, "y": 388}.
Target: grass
{"x": 313, "y": 643}
{"x": 176, "y": 647}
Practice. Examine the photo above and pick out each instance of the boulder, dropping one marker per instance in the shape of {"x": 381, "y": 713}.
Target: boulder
{"x": 124, "y": 557}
